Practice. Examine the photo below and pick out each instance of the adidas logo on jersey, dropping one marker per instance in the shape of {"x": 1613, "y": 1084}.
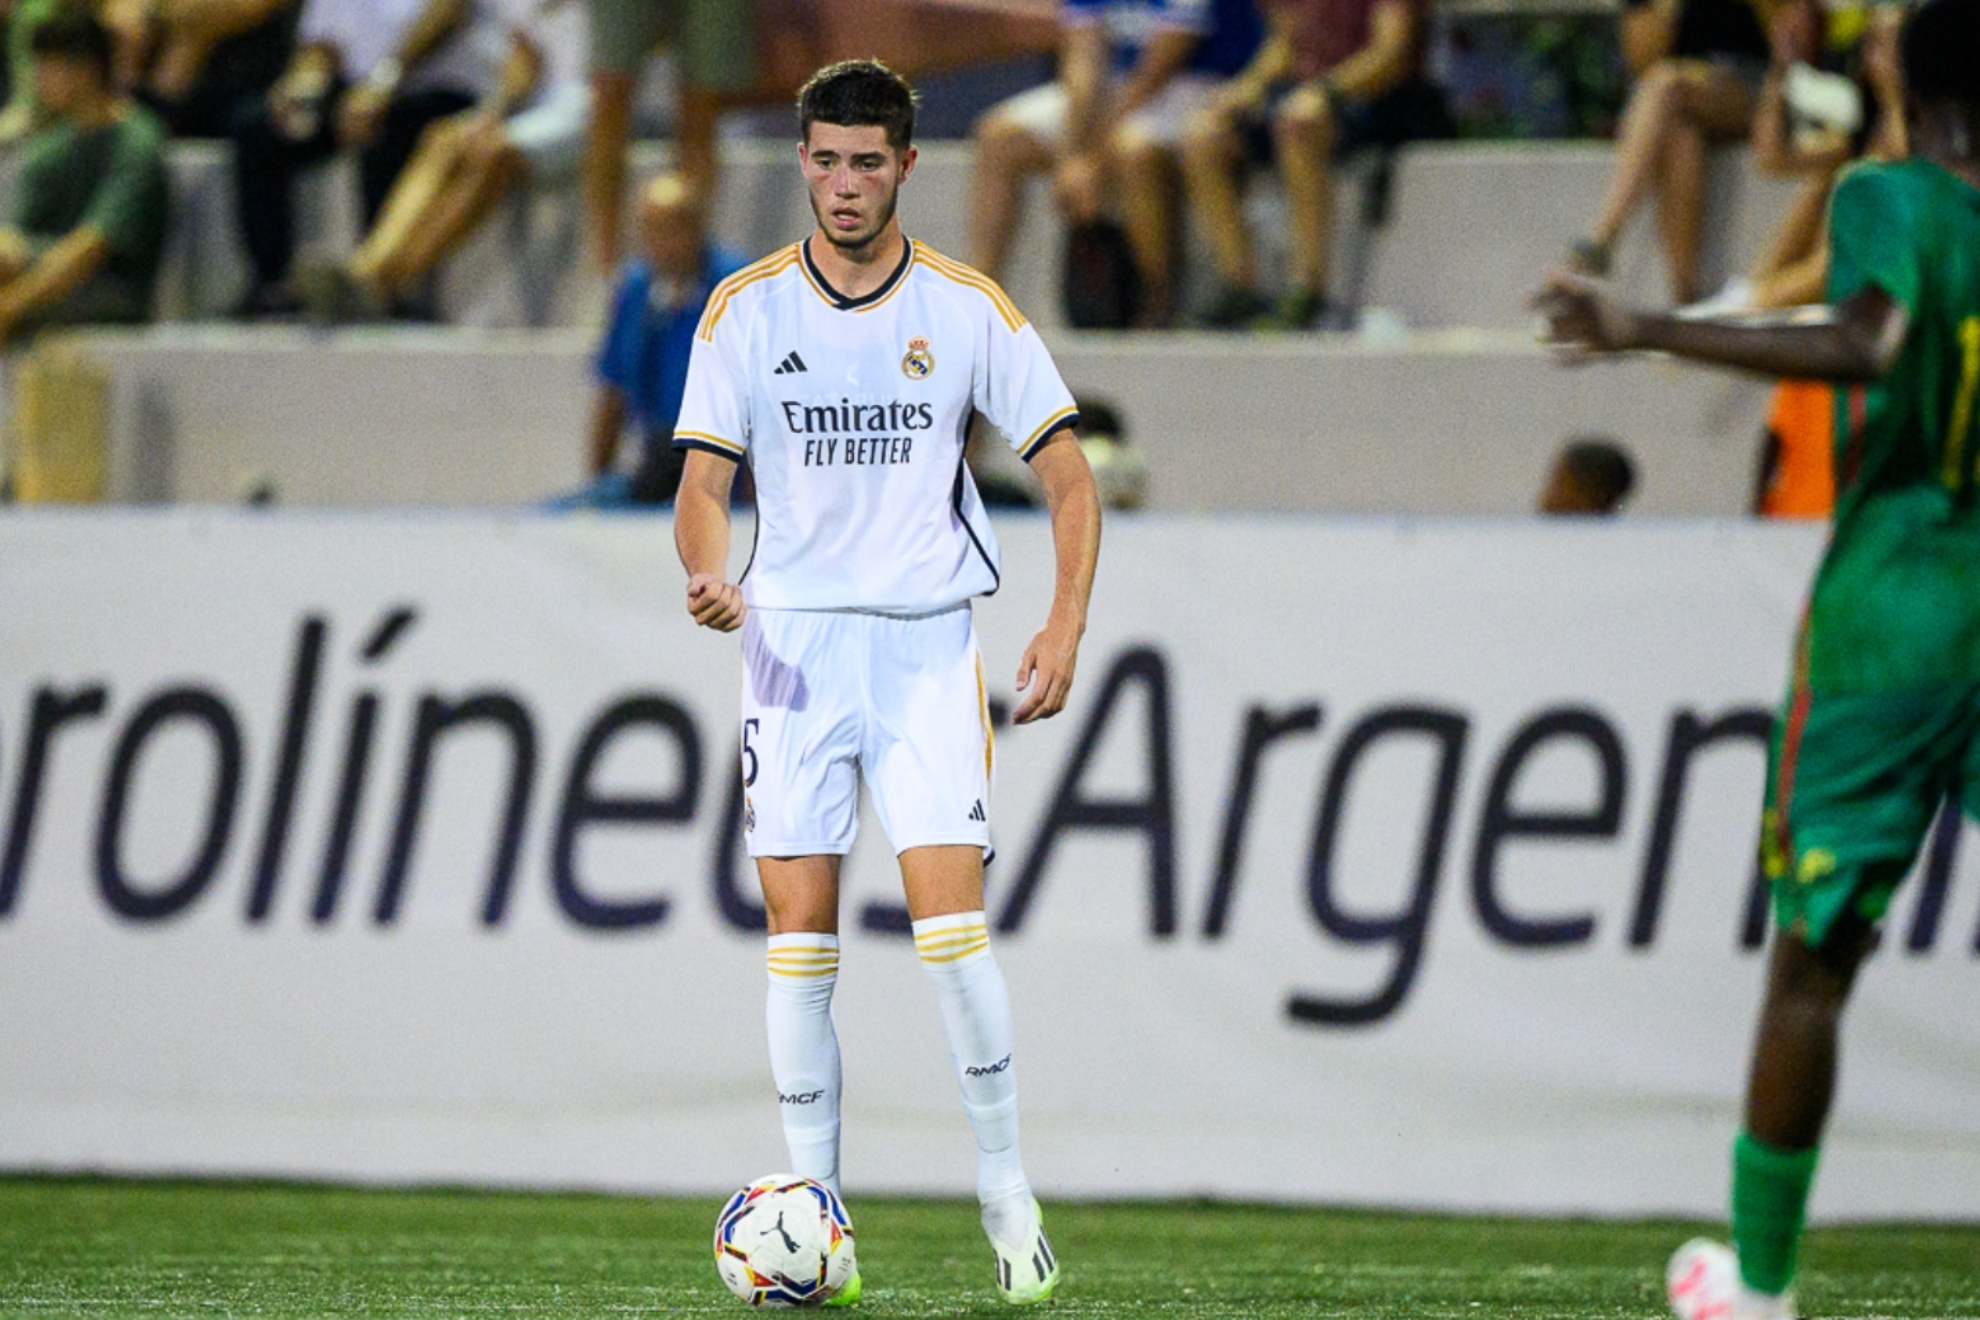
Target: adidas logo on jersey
{"x": 790, "y": 365}
{"x": 976, "y": 812}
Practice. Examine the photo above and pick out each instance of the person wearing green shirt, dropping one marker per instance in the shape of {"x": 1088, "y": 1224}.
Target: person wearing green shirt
{"x": 1882, "y": 719}
{"x": 90, "y": 204}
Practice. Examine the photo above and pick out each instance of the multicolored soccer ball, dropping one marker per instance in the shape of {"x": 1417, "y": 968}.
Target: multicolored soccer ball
{"x": 784, "y": 1241}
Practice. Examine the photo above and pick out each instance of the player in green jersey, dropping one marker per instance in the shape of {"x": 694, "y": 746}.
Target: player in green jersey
{"x": 1883, "y": 717}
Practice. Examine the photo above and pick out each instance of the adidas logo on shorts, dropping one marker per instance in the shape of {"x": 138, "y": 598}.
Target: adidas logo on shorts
{"x": 790, "y": 365}
{"x": 976, "y": 812}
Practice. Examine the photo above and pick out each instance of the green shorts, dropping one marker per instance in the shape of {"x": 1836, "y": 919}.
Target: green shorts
{"x": 711, "y": 39}
{"x": 1853, "y": 784}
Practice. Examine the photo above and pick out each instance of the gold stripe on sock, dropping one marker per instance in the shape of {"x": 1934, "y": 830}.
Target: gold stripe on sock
{"x": 969, "y": 928}
{"x": 960, "y": 952}
{"x": 948, "y": 939}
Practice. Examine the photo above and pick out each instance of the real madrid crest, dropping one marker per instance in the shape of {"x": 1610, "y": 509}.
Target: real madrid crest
{"x": 919, "y": 363}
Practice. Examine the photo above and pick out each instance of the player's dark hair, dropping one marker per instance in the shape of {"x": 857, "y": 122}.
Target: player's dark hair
{"x": 1942, "y": 57}
{"x": 1600, "y": 467}
{"x": 859, "y": 94}
{"x": 74, "y": 34}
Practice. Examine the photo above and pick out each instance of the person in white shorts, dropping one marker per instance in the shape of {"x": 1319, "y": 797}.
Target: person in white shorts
{"x": 845, "y": 370}
{"x": 528, "y": 131}
{"x": 1132, "y": 75}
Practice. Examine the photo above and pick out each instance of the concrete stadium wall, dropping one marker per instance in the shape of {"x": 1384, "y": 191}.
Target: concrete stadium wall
{"x": 1462, "y": 423}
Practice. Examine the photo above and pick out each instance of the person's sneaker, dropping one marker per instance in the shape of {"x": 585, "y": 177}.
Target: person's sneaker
{"x": 848, "y": 1295}
{"x": 1702, "y": 1282}
{"x": 1235, "y": 309}
{"x": 1027, "y": 1271}
{"x": 1735, "y": 297}
{"x": 1302, "y": 309}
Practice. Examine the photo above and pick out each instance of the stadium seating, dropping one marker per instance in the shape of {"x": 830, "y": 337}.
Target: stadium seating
{"x": 1418, "y": 421}
{"x": 1470, "y": 229}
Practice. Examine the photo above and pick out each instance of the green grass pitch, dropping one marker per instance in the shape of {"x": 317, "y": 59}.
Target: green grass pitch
{"x": 90, "y": 1247}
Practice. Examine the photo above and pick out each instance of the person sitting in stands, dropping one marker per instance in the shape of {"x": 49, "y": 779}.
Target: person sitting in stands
{"x": 1333, "y": 76}
{"x": 195, "y": 61}
{"x": 367, "y": 74}
{"x": 90, "y": 208}
{"x": 1699, "y": 66}
{"x": 714, "y": 58}
{"x": 643, "y": 362}
{"x": 529, "y": 131}
{"x": 1130, "y": 74}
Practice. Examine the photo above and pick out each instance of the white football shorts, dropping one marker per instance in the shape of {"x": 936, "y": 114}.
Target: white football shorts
{"x": 831, "y": 698}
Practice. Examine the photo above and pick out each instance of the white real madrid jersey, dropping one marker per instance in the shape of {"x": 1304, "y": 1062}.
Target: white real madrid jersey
{"x": 852, "y": 414}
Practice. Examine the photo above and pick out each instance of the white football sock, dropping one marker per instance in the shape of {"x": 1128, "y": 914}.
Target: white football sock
{"x": 976, "y": 1018}
{"x": 804, "y": 1050}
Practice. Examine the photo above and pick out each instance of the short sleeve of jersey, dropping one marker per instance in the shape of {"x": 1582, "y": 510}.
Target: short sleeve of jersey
{"x": 1019, "y": 388}
{"x": 1873, "y": 237}
{"x": 715, "y": 408}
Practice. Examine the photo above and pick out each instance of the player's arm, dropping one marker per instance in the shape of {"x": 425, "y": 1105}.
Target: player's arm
{"x": 1858, "y": 339}
{"x": 701, "y": 534}
{"x": 1046, "y": 670}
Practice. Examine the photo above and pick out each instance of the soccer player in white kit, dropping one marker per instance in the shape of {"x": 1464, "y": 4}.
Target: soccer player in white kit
{"x": 845, "y": 369}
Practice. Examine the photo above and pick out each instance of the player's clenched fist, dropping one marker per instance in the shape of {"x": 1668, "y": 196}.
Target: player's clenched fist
{"x": 1047, "y": 670}
{"x": 714, "y": 603}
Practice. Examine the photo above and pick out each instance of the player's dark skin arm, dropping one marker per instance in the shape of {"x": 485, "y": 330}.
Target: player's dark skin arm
{"x": 1074, "y": 503}
{"x": 1857, "y": 340}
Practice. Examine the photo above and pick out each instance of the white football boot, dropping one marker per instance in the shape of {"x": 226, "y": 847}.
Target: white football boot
{"x": 1702, "y": 1282}
{"x": 1027, "y": 1271}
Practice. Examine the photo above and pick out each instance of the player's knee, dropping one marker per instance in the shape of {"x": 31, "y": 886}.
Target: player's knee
{"x": 1811, "y": 979}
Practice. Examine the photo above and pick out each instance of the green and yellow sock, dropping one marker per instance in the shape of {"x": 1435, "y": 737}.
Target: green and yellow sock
{"x": 1769, "y": 1206}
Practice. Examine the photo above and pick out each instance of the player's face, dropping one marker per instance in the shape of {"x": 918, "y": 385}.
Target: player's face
{"x": 854, "y": 177}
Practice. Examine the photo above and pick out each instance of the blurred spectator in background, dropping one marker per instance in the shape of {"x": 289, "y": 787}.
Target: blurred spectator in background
{"x": 91, "y": 202}
{"x": 714, "y": 56}
{"x": 1699, "y": 65}
{"x": 1119, "y": 473}
{"x": 1593, "y": 474}
{"x": 23, "y": 113}
{"x": 643, "y": 362}
{"x": 1333, "y": 76}
{"x": 195, "y": 61}
{"x": 1797, "y": 474}
{"x": 528, "y": 131}
{"x": 1834, "y": 92}
{"x": 370, "y": 75}
{"x": 1130, "y": 74}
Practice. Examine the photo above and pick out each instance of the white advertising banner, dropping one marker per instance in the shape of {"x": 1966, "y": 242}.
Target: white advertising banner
{"x": 1376, "y": 862}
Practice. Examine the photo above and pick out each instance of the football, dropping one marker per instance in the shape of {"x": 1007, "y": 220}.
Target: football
{"x": 784, "y": 1241}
